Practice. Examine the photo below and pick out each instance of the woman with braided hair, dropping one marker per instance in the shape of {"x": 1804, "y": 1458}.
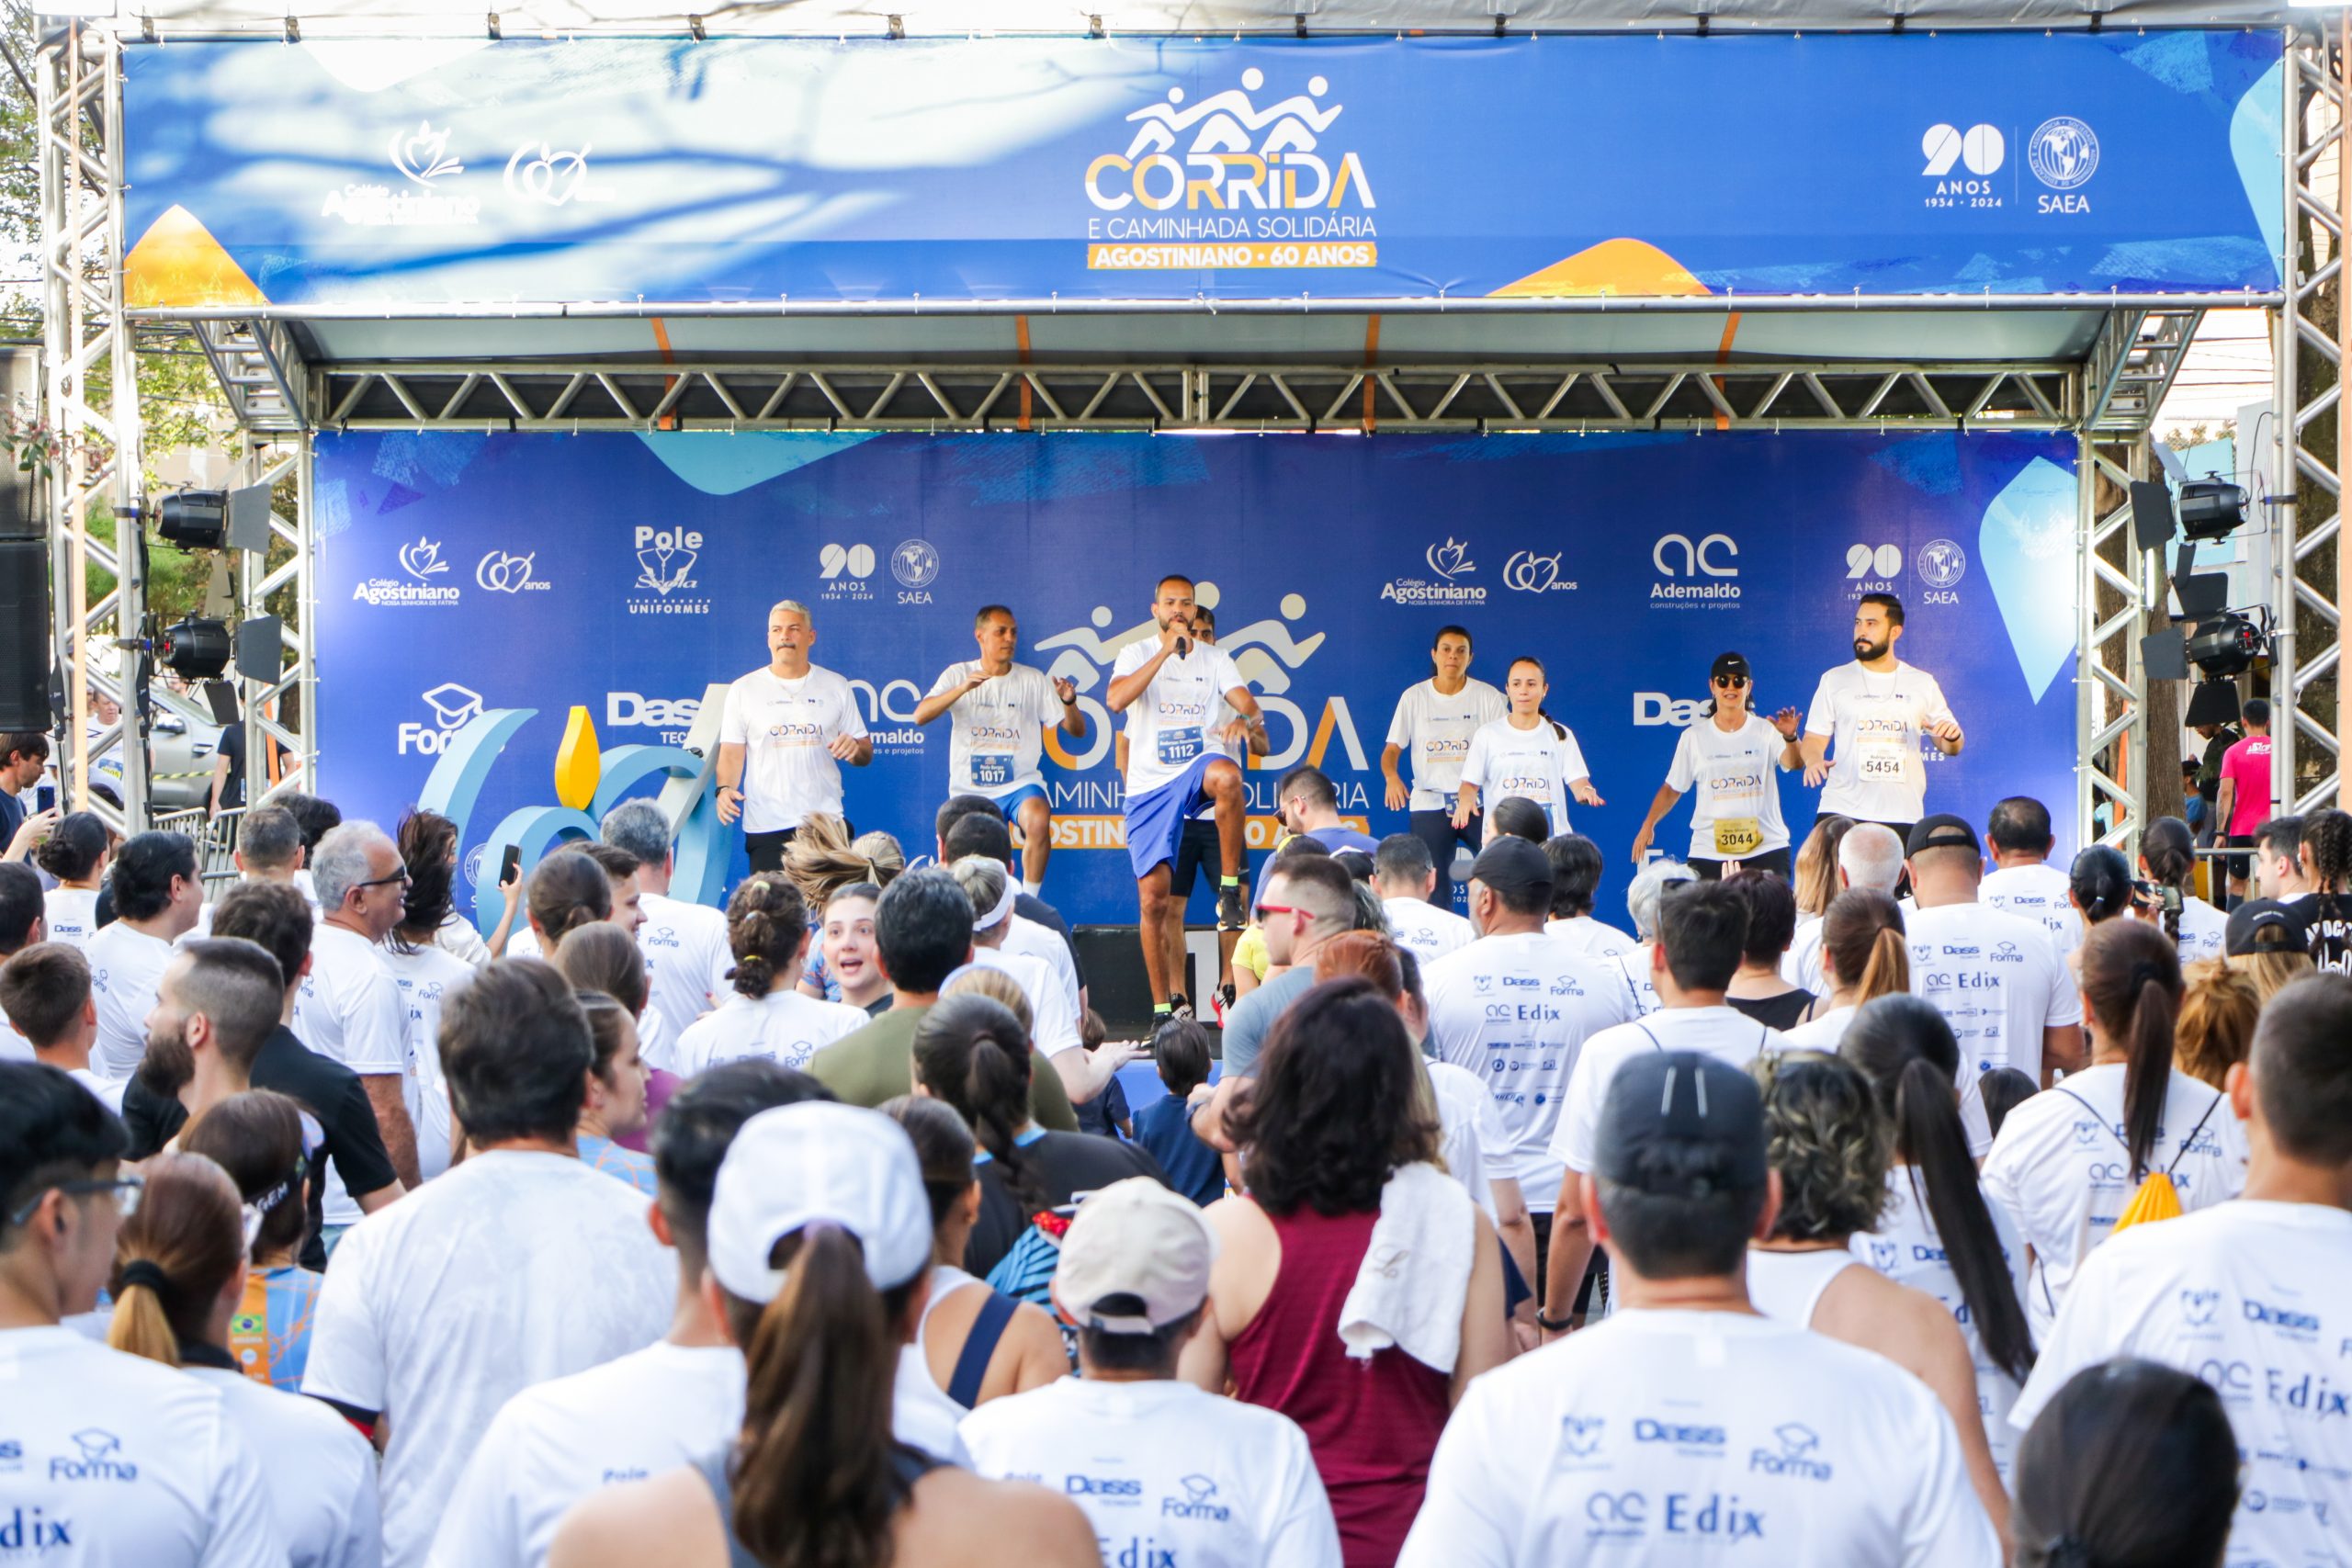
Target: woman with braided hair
{"x": 2168, "y": 855}
{"x": 2327, "y": 912}
{"x": 767, "y": 929}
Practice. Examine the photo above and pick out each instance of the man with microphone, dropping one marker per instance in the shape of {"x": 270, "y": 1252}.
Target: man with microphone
{"x": 1170, "y": 688}
{"x": 783, "y": 736}
{"x": 1873, "y": 712}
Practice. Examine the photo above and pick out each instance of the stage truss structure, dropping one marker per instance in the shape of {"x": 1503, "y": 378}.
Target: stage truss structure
{"x": 2109, "y": 399}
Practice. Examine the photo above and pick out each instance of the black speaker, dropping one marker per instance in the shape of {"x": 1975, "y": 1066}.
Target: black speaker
{"x": 1111, "y": 960}
{"x": 24, "y": 634}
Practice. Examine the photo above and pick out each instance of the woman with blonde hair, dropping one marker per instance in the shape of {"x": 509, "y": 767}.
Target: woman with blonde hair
{"x": 2219, "y": 1009}
{"x": 820, "y": 861}
{"x": 1863, "y": 957}
{"x": 179, "y": 1277}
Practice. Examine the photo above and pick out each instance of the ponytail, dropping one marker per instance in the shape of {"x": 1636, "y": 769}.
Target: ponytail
{"x": 1907, "y": 1049}
{"x": 568, "y": 890}
{"x": 767, "y": 925}
{"x": 2131, "y": 974}
{"x": 1861, "y": 939}
{"x": 2100, "y": 881}
{"x": 813, "y": 1479}
{"x": 174, "y": 1256}
{"x": 972, "y": 1053}
{"x": 2169, "y": 849}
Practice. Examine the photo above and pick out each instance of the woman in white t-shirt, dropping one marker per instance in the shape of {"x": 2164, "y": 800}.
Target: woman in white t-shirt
{"x": 1863, "y": 957}
{"x": 1725, "y": 763}
{"x": 1435, "y": 722}
{"x": 2168, "y": 855}
{"x": 1526, "y": 753}
{"x": 767, "y": 929}
{"x": 1938, "y": 1233}
{"x": 2070, "y": 1159}
{"x": 76, "y": 852}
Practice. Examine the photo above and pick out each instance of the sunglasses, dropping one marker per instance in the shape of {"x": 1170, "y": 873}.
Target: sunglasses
{"x": 1262, "y": 910}
{"x": 1732, "y": 681}
{"x": 401, "y": 876}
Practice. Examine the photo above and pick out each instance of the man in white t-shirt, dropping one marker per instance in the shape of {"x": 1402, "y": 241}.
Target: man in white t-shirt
{"x": 156, "y": 895}
{"x": 22, "y": 925}
{"x": 1701, "y": 933}
{"x": 1170, "y": 687}
{"x": 1689, "y": 1429}
{"x": 687, "y": 958}
{"x": 1869, "y": 855}
{"x": 349, "y": 1006}
{"x": 1404, "y": 876}
{"x": 270, "y": 849}
{"x": 520, "y": 1265}
{"x": 107, "y": 1458}
{"x": 1997, "y": 977}
{"x": 996, "y": 744}
{"x": 1519, "y": 1008}
{"x": 2253, "y": 1295}
{"x": 1873, "y": 712}
{"x": 651, "y": 1410}
{"x": 783, "y": 736}
{"x": 2022, "y": 881}
{"x": 1167, "y": 1472}
{"x": 45, "y": 1003}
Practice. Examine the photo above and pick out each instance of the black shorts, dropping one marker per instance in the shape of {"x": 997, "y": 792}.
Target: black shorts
{"x": 1196, "y": 848}
{"x": 1773, "y": 862}
{"x": 2238, "y": 867}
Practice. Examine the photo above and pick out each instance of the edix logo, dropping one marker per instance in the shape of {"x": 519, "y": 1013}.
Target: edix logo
{"x": 2286, "y": 1320}
{"x": 2196, "y": 1307}
{"x": 98, "y": 1460}
{"x": 1101, "y": 1486}
{"x": 1647, "y": 1430}
{"x": 1199, "y": 1502}
{"x": 32, "y": 1531}
{"x": 1580, "y": 1435}
{"x": 1624, "y": 1513}
{"x": 1798, "y": 1457}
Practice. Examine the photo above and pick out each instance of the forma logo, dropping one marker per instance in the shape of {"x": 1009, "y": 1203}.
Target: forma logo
{"x": 1676, "y": 557}
{"x": 452, "y": 706}
{"x": 1981, "y": 149}
{"x": 1799, "y": 1454}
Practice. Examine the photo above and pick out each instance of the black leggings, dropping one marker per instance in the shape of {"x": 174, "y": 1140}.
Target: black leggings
{"x": 1436, "y": 829}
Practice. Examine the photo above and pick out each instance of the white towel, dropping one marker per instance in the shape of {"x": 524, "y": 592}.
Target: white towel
{"x": 1416, "y": 1274}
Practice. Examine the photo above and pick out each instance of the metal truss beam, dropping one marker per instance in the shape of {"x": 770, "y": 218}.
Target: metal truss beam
{"x": 2111, "y": 684}
{"x": 282, "y": 710}
{"x": 90, "y": 408}
{"x": 2306, "y": 753}
{"x": 632, "y": 395}
{"x": 2132, "y": 365}
{"x": 260, "y": 372}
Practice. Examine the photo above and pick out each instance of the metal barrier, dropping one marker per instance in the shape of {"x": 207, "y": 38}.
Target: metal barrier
{"x": 216, "y": 843}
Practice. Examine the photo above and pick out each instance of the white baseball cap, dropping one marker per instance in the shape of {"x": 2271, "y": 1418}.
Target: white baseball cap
{"x": 1135, "y": 1239}
{"x": 817, "y": 1163}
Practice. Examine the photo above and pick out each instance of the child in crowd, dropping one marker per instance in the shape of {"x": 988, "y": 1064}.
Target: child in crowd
{"x": 1165, "y": 1128}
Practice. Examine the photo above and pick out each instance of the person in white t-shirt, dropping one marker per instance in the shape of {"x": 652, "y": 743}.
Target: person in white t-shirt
{"x": 2022, "y": 881}
{"x": 645, "y": 1411}
{"x": 1170, "y": 1474}
{"x": 1872, "y": 714}
{"x": 1576, "y": 869}
{"x": 156, "y": 896}
{"x": 520, "y": 1265}
{"x": 45, "y": 1002}
{"x": 1939, "y": 1233}
{"x": 1404, "y": 877}
{"x": 764, "y": 1013}
{"x": 1517, "y": 1007}
{"x": 108, "y": 1458}
{"x": 1434, "y": 721}
{"x": 783, "y": 736}
{"x": 1001, "y": 711}
{"x": 428, "y": 974}
{"x": 1688, "y": 1428}
{"x": 1728, "y": 758}
{"x": 1869, "y": 855}
{"x": 1702, "y": 927}
{"x": 984, "y": 833}
{"x": 270, "y": 848}
{"x": 1170, "y": 688}
{"x": 1997, "y": 977}
{"x": 687, "y": 955}
{"x": 2168, "y": 857}
{"x": 1525, "y": 755}
{"x": 76, "y": 852}
{"x": 2069, "y": 1160}
{"x": 2253, "y": 1295}
{"x": 349, "y": 1006}
{"x": 178, "y": 1283}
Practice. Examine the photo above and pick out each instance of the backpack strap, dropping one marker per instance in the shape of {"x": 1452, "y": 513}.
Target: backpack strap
{"x": 2070, "y": 1094}
{"x": 979, "y": 1347}
{"x": 1655, "y": 1042}
{"x": 2178, "y": 1152}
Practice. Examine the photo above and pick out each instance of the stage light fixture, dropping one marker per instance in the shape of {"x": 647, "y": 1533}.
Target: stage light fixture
{"x": 2212, "y": 508}
{"x": 2226, "y": 646}
{"x": 196, "y": 648}
{"x": 193, "y": 519}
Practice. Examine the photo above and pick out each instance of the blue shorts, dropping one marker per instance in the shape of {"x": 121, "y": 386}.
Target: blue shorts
{"x": 1010, "y": 805}
{"x": 1156, "y": 821}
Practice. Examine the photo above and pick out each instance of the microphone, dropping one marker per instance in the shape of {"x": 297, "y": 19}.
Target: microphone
{"x": 1183, "y": 647}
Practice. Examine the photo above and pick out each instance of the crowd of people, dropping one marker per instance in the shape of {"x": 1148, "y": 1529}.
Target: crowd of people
{"x": 1885, "y": 1194}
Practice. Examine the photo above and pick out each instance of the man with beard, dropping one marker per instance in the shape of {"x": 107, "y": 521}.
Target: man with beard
{"x": 217, "y": 1003}
{"x": 1174, "y": 761}
{"x": 1873, "y": 712}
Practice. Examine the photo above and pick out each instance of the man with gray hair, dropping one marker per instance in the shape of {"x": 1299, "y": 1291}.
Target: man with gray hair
{"x": 1642, "y": 904}
{"x": 783, "y": 736}
{"x": 687, "y": 957}
{"x": 349, "y": 1008}
{"x": 1869, "y": 855}
{"x": 270, "y": 849}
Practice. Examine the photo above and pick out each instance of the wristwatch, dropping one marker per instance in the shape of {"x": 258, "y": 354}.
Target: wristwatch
{"x": 1554, "y": 1326}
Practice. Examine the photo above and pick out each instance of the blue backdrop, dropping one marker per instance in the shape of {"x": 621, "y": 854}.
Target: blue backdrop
{"x": 464, "y": 573}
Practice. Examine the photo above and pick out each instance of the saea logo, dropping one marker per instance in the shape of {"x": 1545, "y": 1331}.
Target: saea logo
{"x": 915, "y": 563}
{"x": 1941, "y": 563}
{"x": 2063, "y": 152}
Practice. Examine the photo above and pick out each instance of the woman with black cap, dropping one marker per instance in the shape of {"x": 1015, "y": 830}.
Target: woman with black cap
{"x": 1728, "y": 759}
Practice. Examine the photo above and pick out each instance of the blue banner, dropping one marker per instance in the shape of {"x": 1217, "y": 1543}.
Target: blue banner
{"x": 757, "y": 170}
{"x": 473, "y": 589}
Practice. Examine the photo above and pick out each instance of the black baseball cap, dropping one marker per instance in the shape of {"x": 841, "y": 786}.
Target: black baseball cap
{"x": 1729, "y": 664}
{"x": 1943, "y": 831}
{"x": 1680, "y": 1124}
{"x": 1512, "y": 864}
{"x": 2263, "y": 925}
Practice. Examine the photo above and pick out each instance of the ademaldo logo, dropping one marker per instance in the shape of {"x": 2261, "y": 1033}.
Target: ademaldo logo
{"x": 1695, "y": 574}
{"x": 1223, "y": 183}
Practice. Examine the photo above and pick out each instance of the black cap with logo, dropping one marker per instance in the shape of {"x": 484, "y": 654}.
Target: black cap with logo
{"x": 1680, "y": 1125}
{"x": 2264, "y": 925}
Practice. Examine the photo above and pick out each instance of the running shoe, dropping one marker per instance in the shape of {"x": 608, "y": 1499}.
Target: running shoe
{"x": 1179, "y": 1004}
{"x": 1231, "y": 914}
